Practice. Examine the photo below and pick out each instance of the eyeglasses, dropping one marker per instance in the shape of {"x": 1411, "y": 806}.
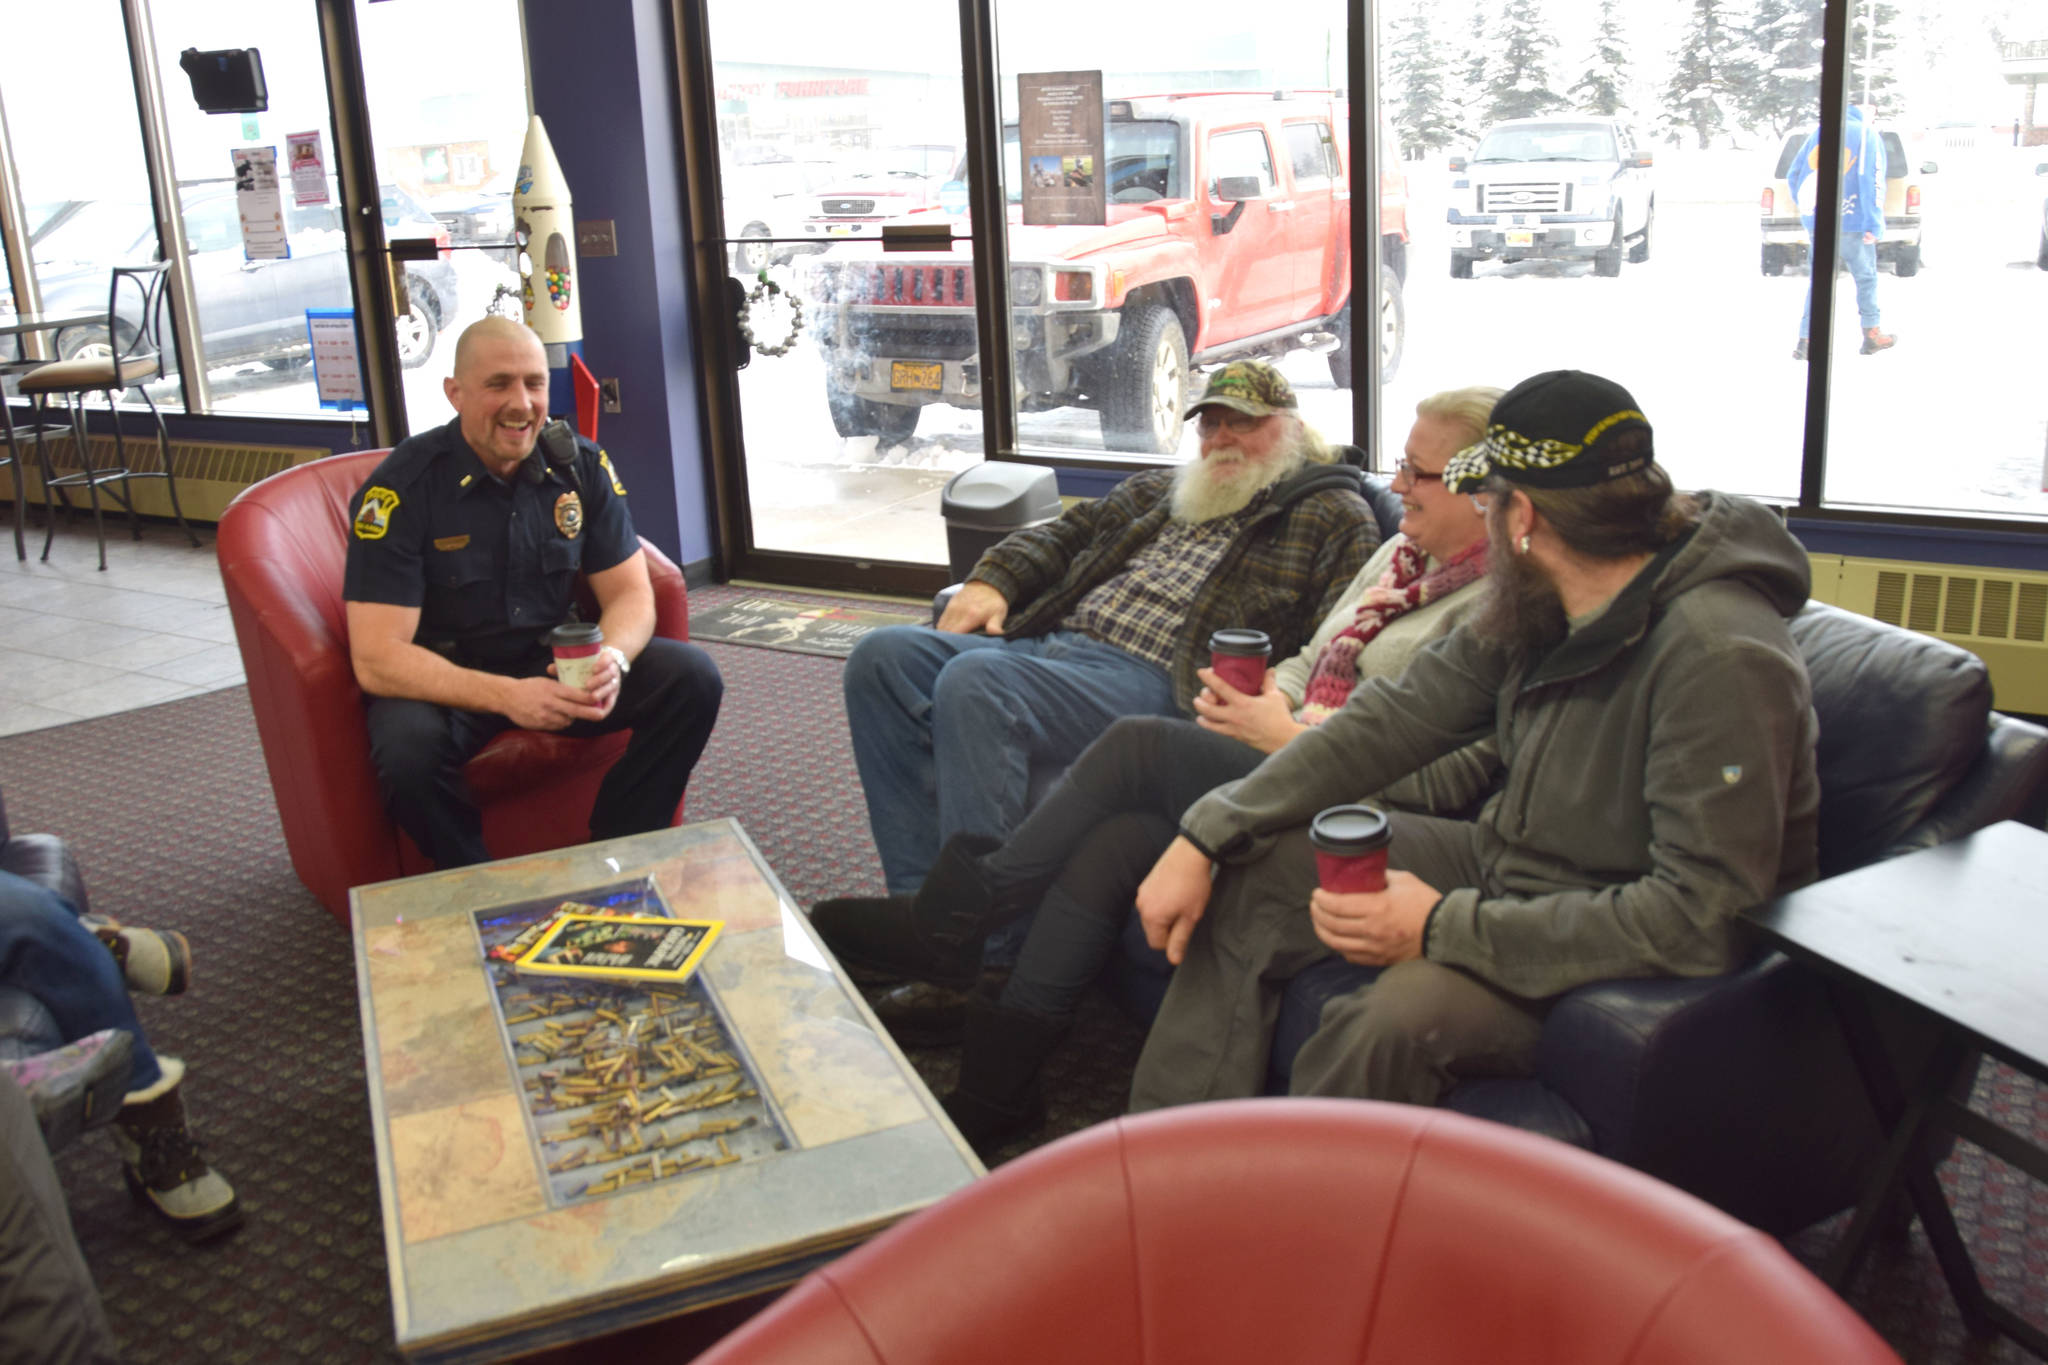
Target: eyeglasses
{"x": 1407, "y": 470}
{"x": 1209, "y": 419}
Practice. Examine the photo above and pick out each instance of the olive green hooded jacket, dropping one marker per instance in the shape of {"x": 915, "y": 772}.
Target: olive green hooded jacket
{"x": 1659, "y": 769}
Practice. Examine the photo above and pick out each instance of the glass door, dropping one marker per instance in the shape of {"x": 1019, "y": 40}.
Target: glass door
{"x": 448, "y": 108}
{"x": 859, "y": 402}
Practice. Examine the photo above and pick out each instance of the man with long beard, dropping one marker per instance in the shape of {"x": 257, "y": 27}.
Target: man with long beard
{"x": 1657, "y": 735}
{"x": 1106, "y": 612}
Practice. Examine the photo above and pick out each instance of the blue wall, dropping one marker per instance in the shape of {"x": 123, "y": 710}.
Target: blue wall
{"x": 603, "y": 79}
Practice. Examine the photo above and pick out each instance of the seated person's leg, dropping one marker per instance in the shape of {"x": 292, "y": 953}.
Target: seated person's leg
{"x": 890, "y": 680}
{"x": 1413, "y": 1033}
{"x": 996, "y": 713}
{"x": 418, "y": 750}
{"x": 670, "y": 702}
{"x": 49, "y": 1309}
{"x": 1214, "y": 1030}
{"x": 1073, "y": 935}
{"x": 46, "y": 952}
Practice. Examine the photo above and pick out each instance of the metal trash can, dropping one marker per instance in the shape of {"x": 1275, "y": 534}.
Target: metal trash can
{"x": 983, "y": 504}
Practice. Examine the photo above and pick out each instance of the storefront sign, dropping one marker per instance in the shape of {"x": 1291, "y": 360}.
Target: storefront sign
{"x": 1060, "y": 141}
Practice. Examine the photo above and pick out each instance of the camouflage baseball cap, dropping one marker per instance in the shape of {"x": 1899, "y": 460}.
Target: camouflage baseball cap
{"x": 1248, "y": 386}
{"x": 1555, "y": 430}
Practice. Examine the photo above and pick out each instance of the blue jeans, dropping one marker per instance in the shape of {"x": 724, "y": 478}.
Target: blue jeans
{"x": 948, "y": 728}
{"x": 1859, "y": 258}
{"x": 46, "y": 953}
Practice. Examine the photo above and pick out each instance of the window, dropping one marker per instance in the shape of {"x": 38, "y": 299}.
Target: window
{"x": 1238, "y": 156}
{"x": 1312, "y": 153}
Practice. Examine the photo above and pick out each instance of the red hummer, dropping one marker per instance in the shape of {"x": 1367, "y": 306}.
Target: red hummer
{"x": 1228, "y": 236}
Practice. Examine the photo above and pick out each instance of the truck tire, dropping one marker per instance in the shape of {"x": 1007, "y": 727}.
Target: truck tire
{"x": 1461, "y": 266}
{"x": 1640, "y": 252}
{"x": 1907, "y": 263}
{"x": 1774, "y": 260}
{"x": 1392, "y": 330}
{"x": 854, "y": 416}
{"x": 751, "y": 254}
{"x": 1148, "y": 383}
{"x": 1607, "y": 262}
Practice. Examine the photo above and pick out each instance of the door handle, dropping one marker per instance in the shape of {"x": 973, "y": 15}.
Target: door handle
{"x": 1280, "y": 206}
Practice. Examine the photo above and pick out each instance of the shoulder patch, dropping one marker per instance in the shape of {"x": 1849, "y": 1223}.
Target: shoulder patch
{"x": 373, "y": 518}
{"x": 605, "y": 463}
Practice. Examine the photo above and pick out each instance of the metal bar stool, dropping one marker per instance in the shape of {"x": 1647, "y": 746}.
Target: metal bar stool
{"x": 133, "y": 354}
{"x": 16, "y": 438}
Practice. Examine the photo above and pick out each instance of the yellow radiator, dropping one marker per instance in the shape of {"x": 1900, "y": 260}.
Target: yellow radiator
{"x": 210, "y": 473}
{"x": 2000, "y": 615}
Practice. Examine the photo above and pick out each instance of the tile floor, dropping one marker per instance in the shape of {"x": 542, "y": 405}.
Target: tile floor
{"x": 77, "y": 642}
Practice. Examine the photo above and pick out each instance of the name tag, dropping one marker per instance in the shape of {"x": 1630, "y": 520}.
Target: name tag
{"x": 451, "y": 542}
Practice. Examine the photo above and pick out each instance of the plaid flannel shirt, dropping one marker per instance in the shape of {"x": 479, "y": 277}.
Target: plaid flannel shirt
{"x": 1284, "y": 570}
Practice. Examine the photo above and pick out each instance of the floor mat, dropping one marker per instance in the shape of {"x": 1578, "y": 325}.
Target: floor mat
{"x": 799, "y": 627}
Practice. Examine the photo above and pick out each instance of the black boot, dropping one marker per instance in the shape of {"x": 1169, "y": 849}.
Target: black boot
{"x": 998, "y": 1098}
{"x": 935, "y": 935}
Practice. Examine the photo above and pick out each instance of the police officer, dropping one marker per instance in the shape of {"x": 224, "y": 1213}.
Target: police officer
{"x": 463, "y": 550}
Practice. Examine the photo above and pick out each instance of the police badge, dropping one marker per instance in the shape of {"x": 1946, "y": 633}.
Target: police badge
{"x": 569, "y": 515}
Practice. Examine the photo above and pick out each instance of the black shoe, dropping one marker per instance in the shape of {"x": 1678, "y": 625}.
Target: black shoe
{"x": 920, "y": 1014}
{"x": 998, "y": 1098}
{"x": 934, "y": 936}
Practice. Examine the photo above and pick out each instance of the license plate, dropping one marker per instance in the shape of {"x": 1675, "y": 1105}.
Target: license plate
{"x": 1521, "y": 238}
{"x": 905, "y": 375}
{"x": 839, "y": 229}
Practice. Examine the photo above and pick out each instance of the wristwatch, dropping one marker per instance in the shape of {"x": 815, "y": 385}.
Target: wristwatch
{"x": 619, "y": 658}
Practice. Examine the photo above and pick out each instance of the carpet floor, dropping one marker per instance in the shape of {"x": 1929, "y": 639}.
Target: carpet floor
{"x": 171, "y": 813}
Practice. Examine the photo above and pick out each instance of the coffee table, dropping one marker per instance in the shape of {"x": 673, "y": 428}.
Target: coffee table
{"x": 782, "y": 1127}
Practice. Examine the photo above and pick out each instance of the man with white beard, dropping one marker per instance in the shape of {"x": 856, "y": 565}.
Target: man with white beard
{"x": 1106, "y": 612}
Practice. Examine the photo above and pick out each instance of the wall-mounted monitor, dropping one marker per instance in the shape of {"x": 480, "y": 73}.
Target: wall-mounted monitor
{"x": 229, "y": 81}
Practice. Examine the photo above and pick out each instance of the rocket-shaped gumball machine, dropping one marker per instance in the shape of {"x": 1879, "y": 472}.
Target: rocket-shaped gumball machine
{"x": 544, "y": 219}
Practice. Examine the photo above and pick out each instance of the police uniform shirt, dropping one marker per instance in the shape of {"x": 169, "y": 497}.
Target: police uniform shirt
{"x": 490, "y": 563}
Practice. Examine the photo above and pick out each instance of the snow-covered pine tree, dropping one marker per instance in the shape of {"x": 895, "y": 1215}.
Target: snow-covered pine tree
{"x": 1602, "y": 90}
{"x": 1786, "y": 91}
{"x": 1424, "y": 116}
{"x": 1519, "y": 82}
{"x": 1698, "y": 96}
{"x": 1873, "y": 58}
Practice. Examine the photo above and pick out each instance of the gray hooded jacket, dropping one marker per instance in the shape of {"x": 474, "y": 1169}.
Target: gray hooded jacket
{"x": 1659, "y": 769}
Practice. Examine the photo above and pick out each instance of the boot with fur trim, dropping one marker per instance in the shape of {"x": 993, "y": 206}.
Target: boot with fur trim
{"x": 162, "y": 1165}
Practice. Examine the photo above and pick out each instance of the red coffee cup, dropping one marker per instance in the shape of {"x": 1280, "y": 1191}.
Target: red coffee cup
{"x": 1240, "y": 657}
{"x": 1351, "y": 848}
{"x": 577, "y": 645}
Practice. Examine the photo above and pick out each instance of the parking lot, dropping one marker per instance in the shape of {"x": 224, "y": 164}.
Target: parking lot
{"x": 1954, "y": 418}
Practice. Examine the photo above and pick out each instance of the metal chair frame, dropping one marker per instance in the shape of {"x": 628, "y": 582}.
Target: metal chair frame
{"x": 15, "y": 437}
{"x": 144, "y": 342}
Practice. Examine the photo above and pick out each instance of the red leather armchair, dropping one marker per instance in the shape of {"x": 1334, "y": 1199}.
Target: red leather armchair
{"x": 1314, "y": 1232}
{"x": 282, "y": 545}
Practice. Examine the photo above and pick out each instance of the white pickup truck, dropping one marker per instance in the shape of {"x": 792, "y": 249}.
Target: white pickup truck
{"x": 1558, "y": 188}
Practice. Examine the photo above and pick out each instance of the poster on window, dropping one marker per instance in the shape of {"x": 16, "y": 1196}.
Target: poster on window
{"x": 337, "y": 373}
{"x": 1059, "y": 141}
{"x": 309, "y": 167}
{"x": 259, "y": 204}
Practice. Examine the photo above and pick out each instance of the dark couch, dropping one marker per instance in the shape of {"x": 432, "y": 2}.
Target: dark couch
{"x": 1739, "y": 1088}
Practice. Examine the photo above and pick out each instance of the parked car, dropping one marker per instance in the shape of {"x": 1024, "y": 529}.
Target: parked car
{"x": 765, "y": 199}
{"x": 248, "y": 310}
{"x": 1228, "y": 236}
{"x": 481, "y": 217}
{"x": 895, "y": 181}
{"x": 1785, "y": 241}
{"x": 1569, "y": 187}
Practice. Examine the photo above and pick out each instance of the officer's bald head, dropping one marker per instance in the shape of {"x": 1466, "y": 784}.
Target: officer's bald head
{"x": 492, "y": 328}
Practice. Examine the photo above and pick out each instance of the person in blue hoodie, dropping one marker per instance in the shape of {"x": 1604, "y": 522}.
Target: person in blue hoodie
{"x": 1862, "y": 222}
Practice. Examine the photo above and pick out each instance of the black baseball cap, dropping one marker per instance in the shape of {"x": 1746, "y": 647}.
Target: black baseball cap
{"x": 1555, "y": 430}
